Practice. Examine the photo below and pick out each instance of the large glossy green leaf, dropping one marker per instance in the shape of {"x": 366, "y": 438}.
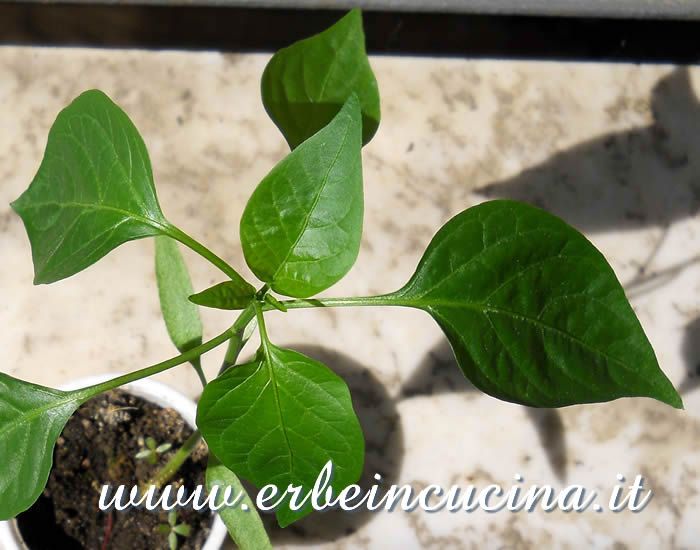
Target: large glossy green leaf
{"x": 93, "y": 191}
{"x": 243, "y": 524}
{"x": 226, "y": 295}
{"x": 534, "y": 313}
{"x": 31, "y": 419}
{"x": 279, "y": 419}
{"x": 305, "y": 85}
{"x": 302, "y": 226}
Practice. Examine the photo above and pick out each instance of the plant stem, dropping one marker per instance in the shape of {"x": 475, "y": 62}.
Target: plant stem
{"x": 384, "y": 300}
{"x": 197, "y": 364}
{"x": 203, "y": 251}
{"x": 86, "y": 393}
{"x": 235, "y": 345}
{"x": 238, "y": 340}
{"x": 263, "y": 330}
{"x": 173, "y": 465}
{"x": 177, "y": 460}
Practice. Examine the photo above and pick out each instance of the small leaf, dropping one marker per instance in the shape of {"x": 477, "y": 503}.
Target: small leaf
{"x": 164, "y": 447}
{"x": 182, "y": 530}
{"x": 226, "y": 295}
{"x": 143, "y": 454}
{"x": 244, "y": 526}
{"x": 172, "y": 518}
{"x": 174, "y": 286}
{"x": 302, "y": 226}
{"x": 278, "y": 420}
{"x": 164, "y": 529}
{"x": 31, "y": 419}
{"x": 93, "y": 191}
{"x": 305, "y": 85}
{"x": 274, "y": 302}
{"x": 172, "y": 541}
{"x": 533, "y": 312}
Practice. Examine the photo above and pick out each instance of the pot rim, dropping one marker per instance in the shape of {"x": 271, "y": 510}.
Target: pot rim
{"x": 156, "y": 392}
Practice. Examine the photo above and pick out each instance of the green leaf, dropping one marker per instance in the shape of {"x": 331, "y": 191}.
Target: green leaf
{"x": 163, "y": 529}
{"x": 533, "y": 312}
{"x": 31, "y": 419}
{"x": 244, "y": 526}
{"x": 274, "y": 302}
{"x": 172, "y": 541}
{"x": 93, "y": 191}
{"x": 182, "y": 530}
{"x": 305, "y": 85}
{"x": 302, "y": 226}
{"x": 174, "y": 287}
{"x": 278, "y": 420}
{"x": 226, "y": 295}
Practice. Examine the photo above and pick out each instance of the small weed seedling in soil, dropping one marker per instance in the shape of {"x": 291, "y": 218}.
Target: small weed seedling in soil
{"x": 172, "y": 529}
{"x": 532, "y": 310}
{"x": 152, "y": 451}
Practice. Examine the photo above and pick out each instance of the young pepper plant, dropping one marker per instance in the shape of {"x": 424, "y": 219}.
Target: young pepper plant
{"x": 533, "y": 312}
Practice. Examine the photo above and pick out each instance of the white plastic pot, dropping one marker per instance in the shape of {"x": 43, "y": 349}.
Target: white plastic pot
{"x": 157, "y": 393}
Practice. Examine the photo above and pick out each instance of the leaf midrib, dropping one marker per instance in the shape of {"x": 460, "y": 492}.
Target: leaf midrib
{"x": 33, "y": 413}
{"x": 307, "y": 219}
{"x": 430, "y": 306}
{"x": 268, "y": 353}
{"x": 334, "y": 62}
{"x": 115, "y": 155}
{"x": 500, "y": 242}
{"x": 157, "y": 224}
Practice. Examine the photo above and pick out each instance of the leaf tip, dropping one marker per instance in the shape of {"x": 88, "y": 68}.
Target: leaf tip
{"x": 667, "y": 393}
{"x": 355, "y": 14}
{"x": 42, "y": 278}
{"x": 675, "y": 401}
{"x": 16, "y": 206}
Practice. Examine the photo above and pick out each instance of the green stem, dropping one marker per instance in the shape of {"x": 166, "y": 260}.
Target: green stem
{"x": 177, "y": 460}
{"x": 173, "y": 465}
{"x": 91, "y": 391}
{"x": 86, "y": 393}
{"x": 197, "y": 364}
{"x": 384, "y": 300}
{"x": 238, "y": 340}
{"x": 263, "y": 330}
{"x": 203, "y": 251}
{"x": 235, "y": 345}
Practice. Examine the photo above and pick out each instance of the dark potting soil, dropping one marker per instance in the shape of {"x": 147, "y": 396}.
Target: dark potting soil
{"x": 97, "y": 447}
